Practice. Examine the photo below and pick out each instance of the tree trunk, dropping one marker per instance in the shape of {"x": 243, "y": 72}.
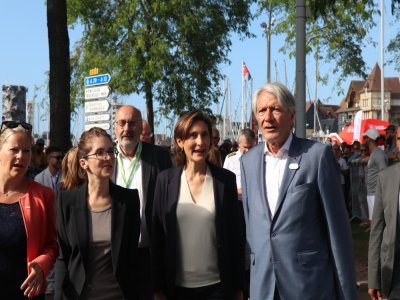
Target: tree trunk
{"x": 149, "y": 107}
{"x": 59, "y": 81}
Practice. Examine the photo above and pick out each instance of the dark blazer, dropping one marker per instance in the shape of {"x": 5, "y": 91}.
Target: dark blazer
{"x": 72, "y": 227}
{"x": 154, "y": 159}
{"x": 228, "y": 224}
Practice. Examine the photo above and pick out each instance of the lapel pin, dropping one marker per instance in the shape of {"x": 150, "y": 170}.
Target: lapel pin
{"x": 27, "y": 206}
{"x": 293, "y": 166}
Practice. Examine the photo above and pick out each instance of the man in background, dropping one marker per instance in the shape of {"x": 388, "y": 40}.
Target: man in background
{"x": 246, "y": 141}
{"x": 384, "y": 247}
{"x": 50, "y": 177}
{"x": 146, "y": 134}
{"x": 377, "y": 161}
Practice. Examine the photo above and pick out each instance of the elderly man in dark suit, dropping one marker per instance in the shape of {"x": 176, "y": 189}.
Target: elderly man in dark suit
{"x": 296, "y": 221}
{"x": 384, "y": 246}
{"x": 138, "y": 164}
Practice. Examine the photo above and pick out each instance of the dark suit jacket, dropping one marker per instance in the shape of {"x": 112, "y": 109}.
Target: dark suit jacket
{"x": 72, "y": 227}
{"x": 154, "y": 159}
{"x": 230, "y": 236}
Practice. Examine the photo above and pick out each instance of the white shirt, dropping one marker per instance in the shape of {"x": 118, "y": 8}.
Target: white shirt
{"x": 232, "y": 163}
{"x": 274, "y": 169}
{"x": 197, "y": 260}
{"x": 136, "y": 183}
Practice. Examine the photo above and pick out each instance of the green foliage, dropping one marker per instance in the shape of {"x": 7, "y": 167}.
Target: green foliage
{"x": 394, "y": 44}
{"x": 337, "y": 28}
{"x": 171, "y": 49}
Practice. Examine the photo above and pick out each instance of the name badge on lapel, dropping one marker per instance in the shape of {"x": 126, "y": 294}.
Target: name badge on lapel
{"x": 293, "y": 166}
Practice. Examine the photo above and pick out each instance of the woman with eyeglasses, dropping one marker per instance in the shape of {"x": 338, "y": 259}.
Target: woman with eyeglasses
{"x": 28, "y": 243}
{"x": 98, "y": 224}
{"x": 197, "y": 242}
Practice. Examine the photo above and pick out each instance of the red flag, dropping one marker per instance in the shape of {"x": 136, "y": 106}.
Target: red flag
{"x": 246, "y": 72}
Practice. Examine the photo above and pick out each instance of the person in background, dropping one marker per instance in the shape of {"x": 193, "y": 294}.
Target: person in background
{"x": 376, "y": 162}
{"x": 384, "y": 249}
{"x": 39, "y": 162}
{"x": 296, "y": 221}
{"x": 52, "y": 174}
{"x": 50, "y": 177}
{"x": 146, "y": 134}
{"x": 391, "y": 149}
{"x": 138, "y": 165}
{"x": 215, "y": 137}
{"x": 247, "y": 140}
{"x": 197, "y": 245}
{"x": 27, "y": 219}
{"x": 98, "y": 225}
{"x": 344, "y": 170}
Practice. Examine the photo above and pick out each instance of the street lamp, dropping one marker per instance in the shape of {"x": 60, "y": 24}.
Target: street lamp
{"x": 267, "y": 30}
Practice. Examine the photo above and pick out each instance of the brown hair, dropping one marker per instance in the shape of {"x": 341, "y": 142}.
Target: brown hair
{"x": 182, "y": 129}
{"x": 73, "y": 174}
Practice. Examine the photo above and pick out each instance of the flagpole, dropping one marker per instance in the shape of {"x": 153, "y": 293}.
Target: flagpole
{"x": 243, "y": 96}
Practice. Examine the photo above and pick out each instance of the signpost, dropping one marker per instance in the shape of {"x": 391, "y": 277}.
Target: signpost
{"x": 97, "y": 106}
{"x": 97, "y": 79}
{"x": 96, "y": 103}
{"x": 101, "y": 91}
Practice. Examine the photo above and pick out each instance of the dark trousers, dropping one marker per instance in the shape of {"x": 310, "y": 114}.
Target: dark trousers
{"x": 209, "y": 292}
{"x": 144, "y": 280}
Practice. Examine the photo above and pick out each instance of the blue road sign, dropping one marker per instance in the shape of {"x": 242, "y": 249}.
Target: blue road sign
{"x": 97, "y": 80}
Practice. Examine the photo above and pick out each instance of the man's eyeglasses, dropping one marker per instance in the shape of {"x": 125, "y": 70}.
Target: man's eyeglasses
{"x": 122, "y": 123}
{"x": 15, "y": 124}
{"x": 103, "y": 154}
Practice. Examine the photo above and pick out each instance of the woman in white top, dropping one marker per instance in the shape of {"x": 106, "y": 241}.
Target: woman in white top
{"x": 197, "y": 237}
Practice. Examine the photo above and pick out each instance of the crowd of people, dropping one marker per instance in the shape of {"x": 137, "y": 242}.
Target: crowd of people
{"x": 232, "y": 220}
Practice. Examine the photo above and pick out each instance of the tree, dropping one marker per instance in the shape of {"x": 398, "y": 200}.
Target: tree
{"x": 168, "y": 50}
{"x": 59, "y": 76}
{"x": 338, "y": 29}
{"x": 394, "y": 44}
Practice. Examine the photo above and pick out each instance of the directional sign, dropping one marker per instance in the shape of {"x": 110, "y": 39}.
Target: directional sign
{"x": 104, "y": 126}
{"x": 97, "y": 118}
{"x": 97, "y": 92}
{"x": 97, "y": 80}
{"x": 96, "y": 106}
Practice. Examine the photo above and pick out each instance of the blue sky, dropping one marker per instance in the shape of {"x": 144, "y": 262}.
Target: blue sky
{"x": 24, "y": 57}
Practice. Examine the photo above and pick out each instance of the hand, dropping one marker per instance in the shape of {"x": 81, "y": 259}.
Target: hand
{"x": 34, "y": 282}
{"x": 160, "y": 296}
{"x": 375, "y": 294}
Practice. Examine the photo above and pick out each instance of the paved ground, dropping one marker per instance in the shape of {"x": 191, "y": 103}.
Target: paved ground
{"x": 362, "y": 292}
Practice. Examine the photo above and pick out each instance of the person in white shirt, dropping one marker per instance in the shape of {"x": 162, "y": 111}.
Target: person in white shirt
{"x": 247, "y": 140}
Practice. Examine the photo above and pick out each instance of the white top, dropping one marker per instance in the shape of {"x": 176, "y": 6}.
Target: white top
{"x": 274, "y": 169}
{"x": 197, "y": 263}
{"x": 232, "y": 163}
{"x": 136, "y": 183}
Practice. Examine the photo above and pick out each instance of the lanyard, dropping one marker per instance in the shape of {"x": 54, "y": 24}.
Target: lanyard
{"x": 133, "y": 166}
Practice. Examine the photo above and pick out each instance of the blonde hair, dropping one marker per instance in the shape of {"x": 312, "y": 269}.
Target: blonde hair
{"x": 7, "y": 132}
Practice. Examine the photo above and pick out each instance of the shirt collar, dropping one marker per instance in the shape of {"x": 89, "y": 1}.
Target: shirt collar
{"x": 283, "y": 150}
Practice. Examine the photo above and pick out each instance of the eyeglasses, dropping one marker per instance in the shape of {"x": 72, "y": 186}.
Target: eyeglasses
{"x": 15, "y": 124}
{"x": 59, "y": 157}
{"x": 122, "y": 123}
{"x": 103, "y": 154}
